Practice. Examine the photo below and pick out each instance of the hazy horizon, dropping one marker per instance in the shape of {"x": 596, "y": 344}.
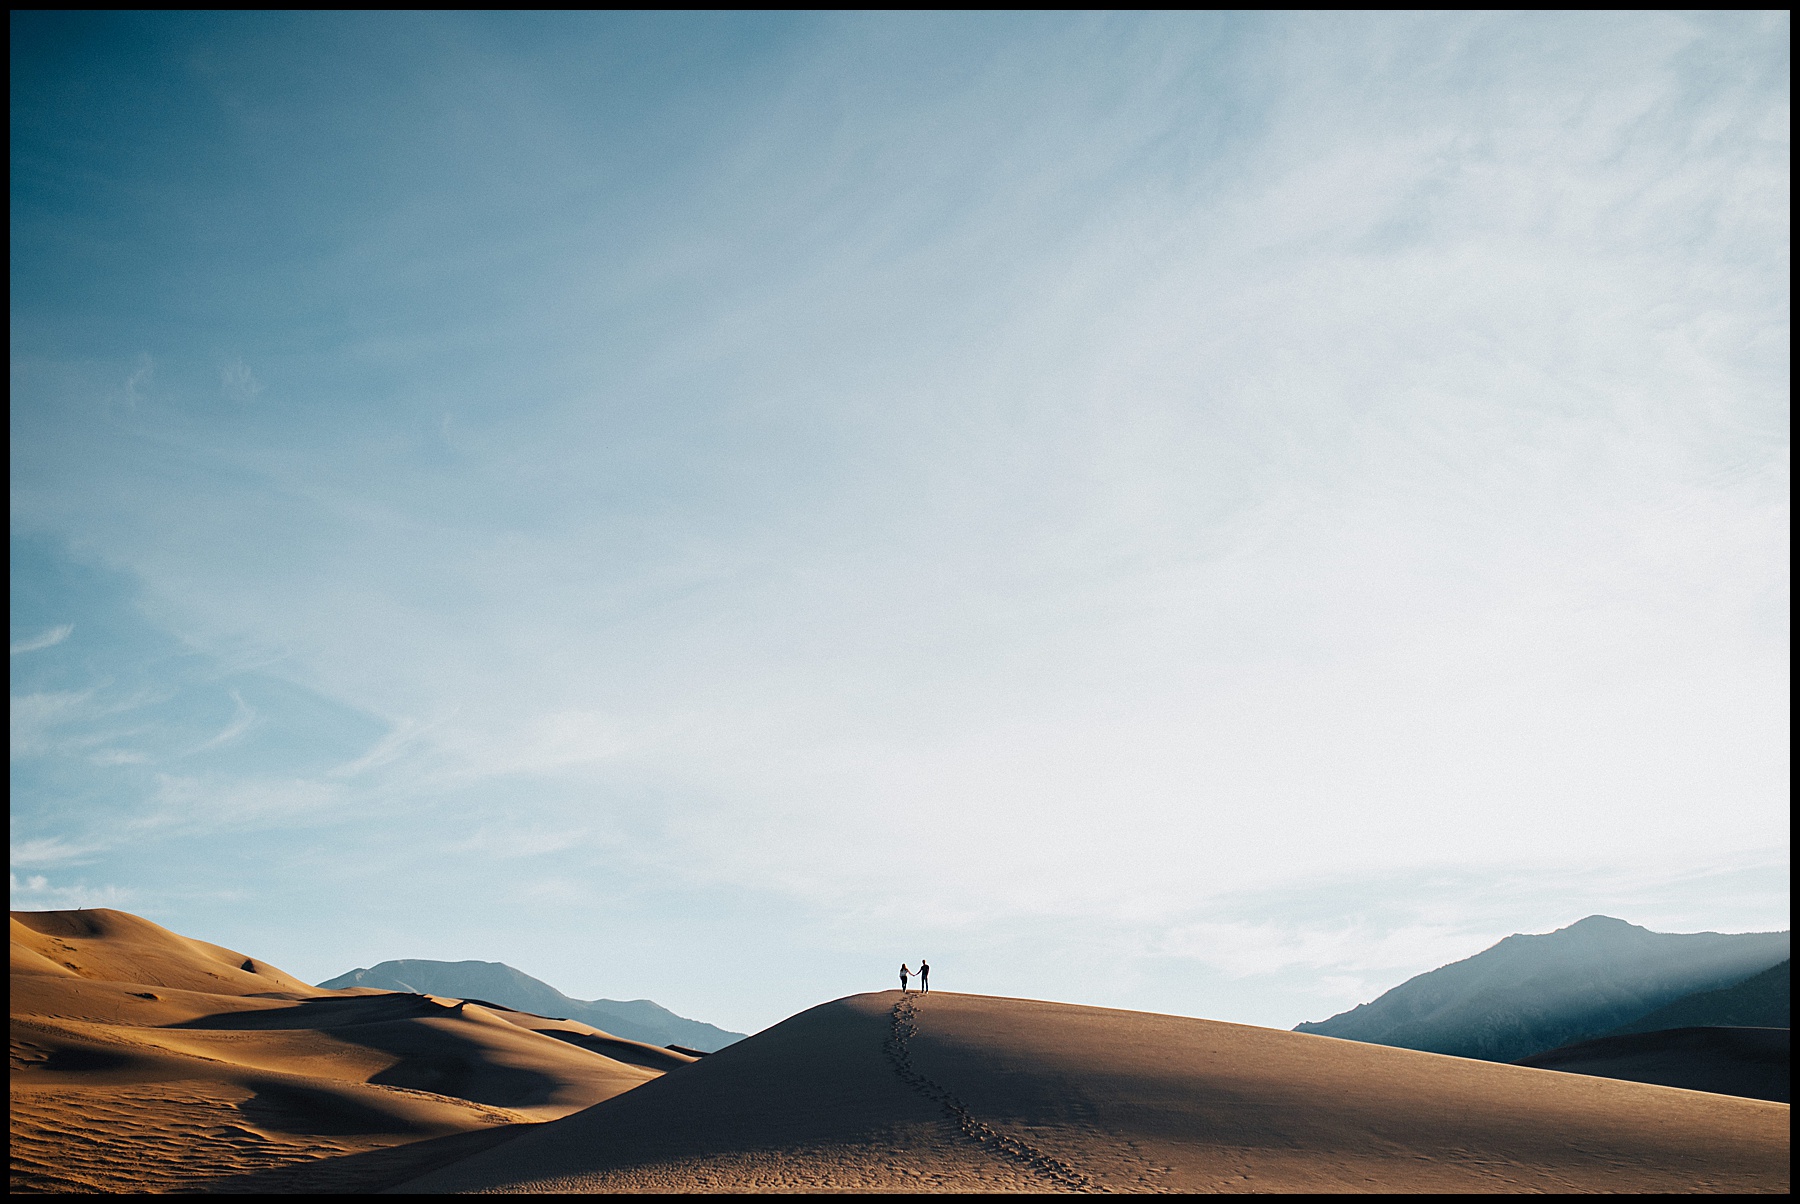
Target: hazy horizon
{"x": 1205, "y": 514}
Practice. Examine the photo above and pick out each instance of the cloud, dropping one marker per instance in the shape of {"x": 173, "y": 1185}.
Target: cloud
{"x": 34, "y": 716}
{"x": 391, "y": 746}
{"x": 241, "y": 722}
{"x": 238, "y": 382}
{"x": 497, "y": 743}
{"x": 36, "y": 893}
{"x": 1095, "y": 464}
{"x": 223, "y": 803}
{"x": 53, "y": 636}
{"x": 54, "y": 850}
{"x": 138, "y": 380}
{"x": 114, "y": 756}
{"x": 515, "y": 841}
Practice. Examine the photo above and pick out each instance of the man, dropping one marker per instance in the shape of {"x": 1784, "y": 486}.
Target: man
{"x": 924, "y": 976}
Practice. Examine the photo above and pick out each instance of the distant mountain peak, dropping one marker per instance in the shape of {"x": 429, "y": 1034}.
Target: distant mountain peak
{"x": 1597, "y": 923}
{"x": 1533, "y": 992}
{"x": 636, "y": 1019}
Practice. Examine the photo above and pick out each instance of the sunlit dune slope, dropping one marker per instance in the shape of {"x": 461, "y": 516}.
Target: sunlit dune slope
{"x": 877, "y": 1092}
{"x": 144, "y": 1060}
{"x": 116, "y": 946}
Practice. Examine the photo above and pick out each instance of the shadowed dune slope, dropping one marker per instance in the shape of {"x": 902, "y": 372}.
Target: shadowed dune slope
{"x": 1762, "y": 1001}
{"x": 1751, "y": 1062}
{"x": 945, "y": 1092}
{"x": 142, "y": 1060}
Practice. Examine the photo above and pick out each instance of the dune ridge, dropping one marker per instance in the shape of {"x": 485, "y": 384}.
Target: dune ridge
{"x": 143, "y": 1060}
{"x": 892, "y": 1092}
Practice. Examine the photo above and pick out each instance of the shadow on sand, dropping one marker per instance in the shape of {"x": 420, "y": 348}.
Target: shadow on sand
{"x": 430, "y": 1059}
{"x": 365, "y": 1172}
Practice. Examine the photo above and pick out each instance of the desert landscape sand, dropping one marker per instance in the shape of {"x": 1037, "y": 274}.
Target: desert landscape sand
{"x": 146, "y": 1061}
{"x": 882, "y": 1092}
{"x": 143, "y": 1060}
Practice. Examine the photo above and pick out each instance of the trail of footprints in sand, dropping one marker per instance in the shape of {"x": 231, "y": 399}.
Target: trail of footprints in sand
{"x": 900, "y": 1034}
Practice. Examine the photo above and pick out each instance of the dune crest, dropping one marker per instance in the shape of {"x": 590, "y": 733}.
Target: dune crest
{"x": 143, "y": 1060}
{"x": 885, "y": 1092}
{"x": 116, "y": 946}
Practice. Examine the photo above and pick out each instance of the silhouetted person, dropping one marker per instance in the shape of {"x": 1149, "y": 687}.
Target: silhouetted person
{"x": 924, "y": 976}
{"x": 904, "y": 975}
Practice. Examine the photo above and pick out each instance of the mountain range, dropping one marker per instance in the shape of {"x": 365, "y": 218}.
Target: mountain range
{"x": 1532, "y": 993}
{"x": 496, "y": 982}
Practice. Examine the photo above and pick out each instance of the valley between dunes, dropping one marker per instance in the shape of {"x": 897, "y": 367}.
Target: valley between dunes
{"x": 145, "y": 1061}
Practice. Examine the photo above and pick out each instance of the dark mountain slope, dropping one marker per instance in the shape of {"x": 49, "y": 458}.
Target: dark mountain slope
{"x": 1760, "y": 1001}
{"x": 1529, "y": 994}
{"x": 1751, "y": 1062}
{"x": 496, "y": 982}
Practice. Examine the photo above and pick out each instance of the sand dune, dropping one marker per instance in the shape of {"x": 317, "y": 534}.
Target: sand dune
{"x": 960, "y": 1092}
{"x": 145, "y": 1060}
{"x": 117, "y": 946}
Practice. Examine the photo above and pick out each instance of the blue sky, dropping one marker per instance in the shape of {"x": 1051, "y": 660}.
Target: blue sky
{"x": 1206, "y": 514}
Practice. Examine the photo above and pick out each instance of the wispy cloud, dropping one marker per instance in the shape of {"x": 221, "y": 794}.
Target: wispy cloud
{"x": 54, "y": 850}
{"x": 390, "y": 747}
{"x": 1098, "y": 463}
{"x": 139, "y": 380}
{"x": 55, "y": 635}
{"x": 35, "y": 716}
{"x": 238, "y": 382}
{"x": 189, "y": 804}
{"x": 36, "y": 893}
{"x": 118, "y": 756}
{"x": 241, "y": 722}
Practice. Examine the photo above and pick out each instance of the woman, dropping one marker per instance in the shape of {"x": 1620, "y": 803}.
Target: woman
{"x": 904, "y": 975}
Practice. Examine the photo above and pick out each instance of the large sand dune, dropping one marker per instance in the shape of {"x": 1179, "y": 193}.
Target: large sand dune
{"x": 144, "y": 1060}
{"x": 960, "y": 1092}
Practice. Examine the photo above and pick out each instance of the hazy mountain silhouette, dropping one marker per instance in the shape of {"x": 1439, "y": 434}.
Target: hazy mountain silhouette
{"x": 1530, "y": 994}
{"x": 496, "y": 982}
{"x": 1760, "y": 1001}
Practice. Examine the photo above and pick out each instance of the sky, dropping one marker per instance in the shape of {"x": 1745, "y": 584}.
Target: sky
{"x": 1204, "y": 514}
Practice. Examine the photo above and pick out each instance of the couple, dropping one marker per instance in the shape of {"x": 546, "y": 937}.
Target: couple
{"x": 924, "y": 976}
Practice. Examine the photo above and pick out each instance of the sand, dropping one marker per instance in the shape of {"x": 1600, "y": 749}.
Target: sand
{"x": 143, "y": 1060}
{"x": 146, "y": 1061}
{"x": 881, "y": 1092}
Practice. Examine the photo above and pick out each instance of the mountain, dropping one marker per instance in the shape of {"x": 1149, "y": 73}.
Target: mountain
{"x": 496, "y": 982}
{"x": 1758, "y": 1002}
{"x": 1533, "y": 993}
